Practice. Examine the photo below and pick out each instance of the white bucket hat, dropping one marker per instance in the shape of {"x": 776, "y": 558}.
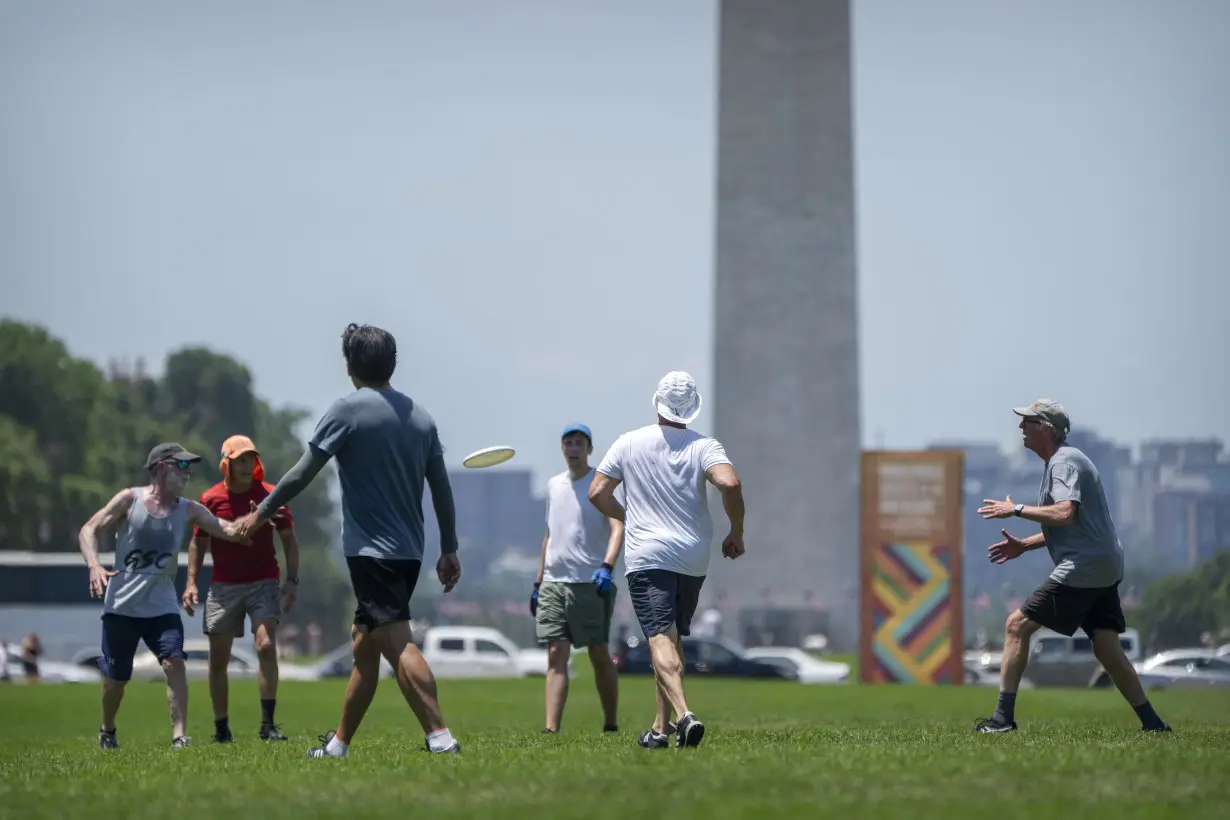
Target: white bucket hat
{"x": 676, "y": 398}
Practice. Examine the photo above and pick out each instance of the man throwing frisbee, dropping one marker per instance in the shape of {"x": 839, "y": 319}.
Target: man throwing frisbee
{"x": 663, "y": 468}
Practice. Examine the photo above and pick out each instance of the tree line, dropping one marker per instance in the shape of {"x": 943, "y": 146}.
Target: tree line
{"x": 72, "y": 435}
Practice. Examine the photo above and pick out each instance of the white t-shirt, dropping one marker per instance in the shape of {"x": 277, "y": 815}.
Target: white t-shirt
{"x": 662, "y": 468}
{"x": 577, "y": 533}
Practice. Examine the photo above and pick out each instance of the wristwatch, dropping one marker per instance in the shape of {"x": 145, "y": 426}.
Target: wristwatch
{"x": 292, "y": 579}
{"x": 1017, "y": 510}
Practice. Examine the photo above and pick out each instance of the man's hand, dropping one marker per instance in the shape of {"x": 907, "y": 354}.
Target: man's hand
{"x": 997, "y": 509}
{"x": 733, "y": 547}
{"x": 534, "y": 602}
{"x": 98, "y": 580}
{"x": 290, "y": 591}
{"x": 242, "y": 529}
{"x": 602, "y": 580}
{"x": 191, "y": 599}
{"x": 448, "y": 570}
{"x": 1011, "y": 547}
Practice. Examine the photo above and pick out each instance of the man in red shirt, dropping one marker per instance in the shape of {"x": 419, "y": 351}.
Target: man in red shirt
{"x": 244, "y": 584}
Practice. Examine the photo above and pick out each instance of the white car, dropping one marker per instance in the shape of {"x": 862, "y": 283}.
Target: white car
{"x": 481, "y": 652}
{"x": 808, "y": 668}
{"x": 1185, "y": 668}
{"x": 48, "y": 671}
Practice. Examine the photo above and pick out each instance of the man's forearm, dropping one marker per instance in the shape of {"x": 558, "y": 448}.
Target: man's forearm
{"x": 196, "y": 557}
{"x": 1054, "y": 515}
{"x": 732, "y": 503}
{"x": 1033, "y": 542}
{"x": 87, "y": 542}
{"x": 614, "y": 546}
{"x": 290, "y": 549}
{"x": 295, "y": 481}
{"x": 442, "y": 503}
{"x": 608, "y": 506}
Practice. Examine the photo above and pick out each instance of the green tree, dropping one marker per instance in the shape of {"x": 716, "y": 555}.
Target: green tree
{"x": 1179, "y": 609}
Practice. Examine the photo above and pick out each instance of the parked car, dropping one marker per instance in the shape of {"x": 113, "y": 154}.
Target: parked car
{"x": 243, "y": 663}
{"x": 481, "y": 652}
{"x": 701, "y": 656}
{"x": 1179, "y": 669}
{"x": 806, "y": 668}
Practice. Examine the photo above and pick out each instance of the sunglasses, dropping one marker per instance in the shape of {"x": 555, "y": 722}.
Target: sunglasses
{"x": 179, "y": 462}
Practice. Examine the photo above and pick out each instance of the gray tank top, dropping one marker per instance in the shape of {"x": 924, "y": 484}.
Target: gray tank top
{"x": 147, "y": 558}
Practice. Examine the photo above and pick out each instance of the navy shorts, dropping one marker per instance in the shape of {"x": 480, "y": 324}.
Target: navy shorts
{"x": 382, "y": 589}
{"x": 663, "y": 599}
{"x": 121, "y": 634}
{"x": 1065, "y": 609}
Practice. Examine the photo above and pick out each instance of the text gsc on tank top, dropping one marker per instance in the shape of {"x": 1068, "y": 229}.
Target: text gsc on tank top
{"x": 146, "y": 561}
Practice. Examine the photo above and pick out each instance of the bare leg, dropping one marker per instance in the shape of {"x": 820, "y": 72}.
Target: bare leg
{"x": 664, "y": 650}
{"x": 265, "y": 642}
{"x": 1017, "y": 632}
{"x": 1110, "y": 654}
{"x": 219, "y": 658}
{"x": 112, "y": 695}
{"x": 418, "y": 684}
{"x": 364, "y": 678}
{"x": 606, "y": 678}
{"x": 177, "y": 695}
{"x": 557, "y": 682}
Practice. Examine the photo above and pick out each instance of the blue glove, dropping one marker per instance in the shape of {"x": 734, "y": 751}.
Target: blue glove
{"x": 534, "y": 602}
{"x": 602, "y": 579}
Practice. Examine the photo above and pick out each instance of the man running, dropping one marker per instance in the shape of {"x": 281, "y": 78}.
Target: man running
{"x": 245, "y": 583}
{"x": 139, "y": 600}
{"x": 667, "y": 531}
{"x": 567, "y": 613}
{"x": 1083, "y": 590}
{"x": 385, "y": 444}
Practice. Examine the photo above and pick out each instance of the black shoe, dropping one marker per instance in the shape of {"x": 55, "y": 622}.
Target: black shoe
{"x": 224, "y": 736}
{"x": 549, "y": 731}
{"x": 991, "y": 726}
{"x": 610, "y": 727}
{"x": 649, "y": 739}
{"x": 1165, "y": 727}
{"x": 319, "y": 751}
{"x": 690, "y": 732}
{"x": 107, "y": 740}
{"x": 670, "y": 728}
{"x": 181, "y": 742}
{"x": 270, "y": 731}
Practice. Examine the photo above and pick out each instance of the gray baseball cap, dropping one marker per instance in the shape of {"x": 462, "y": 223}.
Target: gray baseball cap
{"x": 1049, "y": 411}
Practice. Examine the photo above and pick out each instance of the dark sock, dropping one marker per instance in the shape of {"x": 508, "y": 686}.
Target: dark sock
{"x": 1005, "y": 709}
{"x": 267, "y": 711}
{"x": 610, "y": 727}
{"x": 1149, "y": 719}
{"x": 221, "y": 726}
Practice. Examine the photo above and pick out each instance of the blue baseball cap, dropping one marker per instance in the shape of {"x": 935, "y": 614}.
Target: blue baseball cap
{"x": 577, "y": 428}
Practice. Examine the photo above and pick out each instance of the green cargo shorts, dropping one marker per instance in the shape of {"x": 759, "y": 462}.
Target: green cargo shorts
{"x": 574, "y": 612}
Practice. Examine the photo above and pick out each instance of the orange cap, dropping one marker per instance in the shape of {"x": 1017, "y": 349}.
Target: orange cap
{"x": 236, "y": 446}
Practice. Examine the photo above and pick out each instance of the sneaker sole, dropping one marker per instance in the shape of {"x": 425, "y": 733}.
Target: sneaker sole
{"x": 694, "y": 735}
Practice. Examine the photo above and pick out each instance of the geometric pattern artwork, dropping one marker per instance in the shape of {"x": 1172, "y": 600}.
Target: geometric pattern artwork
{"x": 912, "y": 613}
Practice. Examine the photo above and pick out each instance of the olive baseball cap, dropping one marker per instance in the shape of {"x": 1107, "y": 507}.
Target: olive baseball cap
{"x": 169, "y": 451}
{"x": 1049, "y": 411}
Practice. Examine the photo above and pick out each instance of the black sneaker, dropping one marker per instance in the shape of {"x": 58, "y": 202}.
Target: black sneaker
{"x": 270, "y": 731}
{"x": 991, "y": 726}
{"x": 1165, "y": 727}
{"x": 224, "y": 736}
{"x": 181, "y": 742}
{"x": 610, "y": 727}
{"x": 319, "y": 751}
{"x": 649, "y": 739}
{"x": 107, "y": 740}
{"x": 689, "y": 732}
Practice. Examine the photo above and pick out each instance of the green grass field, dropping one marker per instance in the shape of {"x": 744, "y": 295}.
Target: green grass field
{"x": 772, "y": 749}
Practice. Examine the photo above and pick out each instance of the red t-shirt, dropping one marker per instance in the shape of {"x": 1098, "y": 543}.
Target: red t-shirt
{"x": 240, "y": 563}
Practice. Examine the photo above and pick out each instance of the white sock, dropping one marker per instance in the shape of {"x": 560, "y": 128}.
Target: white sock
{"x": 439, "y": 741}
{"x": 335, "y": 747}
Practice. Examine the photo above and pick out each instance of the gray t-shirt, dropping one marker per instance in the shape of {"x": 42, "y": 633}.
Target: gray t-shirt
{"x": 1086, "y": 553}
{"x": 382, "y": 441}
{"x": 146, "y": 560}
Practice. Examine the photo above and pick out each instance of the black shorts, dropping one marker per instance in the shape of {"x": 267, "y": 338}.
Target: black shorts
{"x": 121, "y": 634}
{"x": 382, "y": 588}
{"x": 1065, "y": 609}
{"x": 662, "y": 599}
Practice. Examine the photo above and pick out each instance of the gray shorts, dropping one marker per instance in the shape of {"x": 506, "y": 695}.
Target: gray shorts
{"x": 574, "y": 613}
{"x": 227, "y": 605}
